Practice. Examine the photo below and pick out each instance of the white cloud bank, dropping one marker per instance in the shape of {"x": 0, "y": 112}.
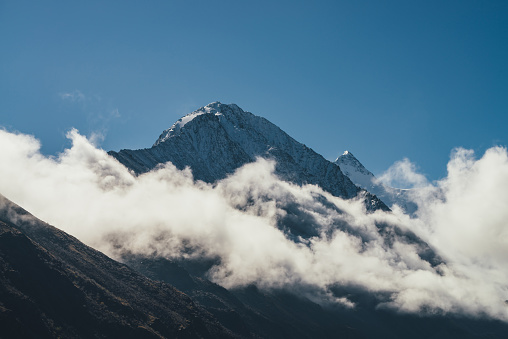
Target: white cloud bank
{"x": 241, "y": 221}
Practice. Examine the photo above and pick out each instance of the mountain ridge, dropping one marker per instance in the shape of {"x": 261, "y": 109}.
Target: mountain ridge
{"x": 52, "y": 285}
{"x": 217, "y": 139}
{"x": 363, "y": 178}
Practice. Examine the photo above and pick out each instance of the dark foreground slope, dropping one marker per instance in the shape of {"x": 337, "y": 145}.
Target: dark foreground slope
{"x": 252, "y": 312}
{"x": 52, "y": 285}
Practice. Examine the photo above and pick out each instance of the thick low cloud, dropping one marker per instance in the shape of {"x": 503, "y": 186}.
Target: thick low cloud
{"x": 272, "y": 233}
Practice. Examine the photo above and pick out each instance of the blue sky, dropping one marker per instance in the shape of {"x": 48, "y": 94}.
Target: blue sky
{"x": 383, "y": 79}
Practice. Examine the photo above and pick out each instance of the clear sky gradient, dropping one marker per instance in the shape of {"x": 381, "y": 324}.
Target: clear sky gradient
{"x": 382, "y": 79}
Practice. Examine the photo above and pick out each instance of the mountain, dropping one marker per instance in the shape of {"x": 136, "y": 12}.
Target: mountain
{"x": 217, "y": 139}
{"x": 363, "y": 178}
{"x": 355, "y": 171}
{"x": 52, "y": 285}
{"x": 213, "y": 142}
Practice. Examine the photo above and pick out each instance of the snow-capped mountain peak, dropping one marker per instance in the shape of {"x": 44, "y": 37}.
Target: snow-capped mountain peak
{"x": 218, "y": 138}
{"x": 354, "y": 169}
{"x": 214, "y": 108}
{"x": 362, "y": 177}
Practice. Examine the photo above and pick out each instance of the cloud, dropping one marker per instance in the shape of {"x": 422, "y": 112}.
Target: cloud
{"x": 465, "y": 214}
{"x": 101, "y": 123}
{"x": 403, "y": 174}
{"x": 114, "y": 113}
{"x": 99, "y": 115}
{"x": 265, "y": 231}
{"x": 74, "y": 96}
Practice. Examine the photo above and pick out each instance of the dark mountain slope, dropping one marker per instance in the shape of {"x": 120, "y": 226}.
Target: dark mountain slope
{"x": 52, "y": 285}
{"x": 249, "y": 311}
{"x": 255, "y": 313}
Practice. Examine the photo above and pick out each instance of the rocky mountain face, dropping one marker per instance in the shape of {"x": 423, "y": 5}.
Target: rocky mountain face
{"x": 363, "y": 178}
{"x": 54, "y": 286}
{"x": 217, "y": 139}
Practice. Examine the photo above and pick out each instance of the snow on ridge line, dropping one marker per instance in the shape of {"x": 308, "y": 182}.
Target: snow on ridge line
{"x": 346, "y": 155}
{"x": 211, "y": 108}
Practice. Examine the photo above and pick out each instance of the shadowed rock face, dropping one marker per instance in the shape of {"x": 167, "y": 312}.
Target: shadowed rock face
{"x": 251, "y": 312}
{"x": 52, "y": 285}
{"x": 217, "y": 139}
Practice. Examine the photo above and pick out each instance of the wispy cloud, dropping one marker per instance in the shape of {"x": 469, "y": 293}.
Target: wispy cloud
{"x": 244, "y": 219}
{"x": 99, "y": 115}
{"x": 74, "y": 96}
{"x": 115, "y": 113}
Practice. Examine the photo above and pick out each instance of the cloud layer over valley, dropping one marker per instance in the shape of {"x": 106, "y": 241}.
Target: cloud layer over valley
{"x": 265, "y": 231}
